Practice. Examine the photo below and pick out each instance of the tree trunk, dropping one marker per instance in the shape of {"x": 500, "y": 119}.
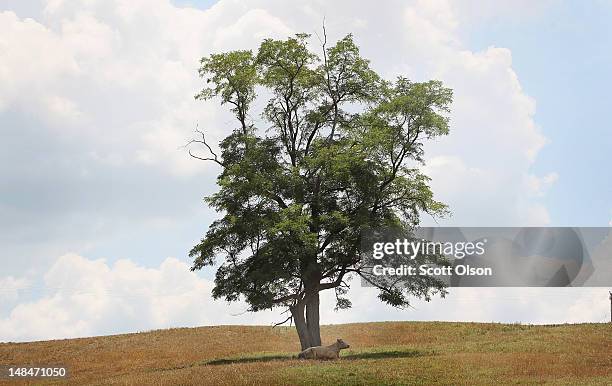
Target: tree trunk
{"x": 297, "y": 312}
{"x": 312, "y": 318}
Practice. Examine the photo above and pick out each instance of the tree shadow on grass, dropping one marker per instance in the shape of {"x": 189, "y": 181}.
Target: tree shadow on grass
{"x": 381, "y": 354}
{"x": 264, "y": 358}
{"x": 378, "y": 354}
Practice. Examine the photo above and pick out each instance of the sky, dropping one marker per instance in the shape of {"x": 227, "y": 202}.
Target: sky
{"x": 99, "y": 204}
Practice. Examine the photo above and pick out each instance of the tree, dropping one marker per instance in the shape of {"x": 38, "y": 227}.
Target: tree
{"x": 334, "y": 152}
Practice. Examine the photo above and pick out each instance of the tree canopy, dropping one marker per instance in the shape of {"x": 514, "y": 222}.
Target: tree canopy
{"x": 334, "y": 151}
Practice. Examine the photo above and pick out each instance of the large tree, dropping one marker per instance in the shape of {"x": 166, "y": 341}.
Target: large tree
{"x": 334, "y": 151}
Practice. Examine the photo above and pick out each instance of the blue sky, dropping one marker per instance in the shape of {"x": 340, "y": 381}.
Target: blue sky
{"x": 561, "y": 55}
{"x": 562, "y": 58}
{"x": 96, "y": 100}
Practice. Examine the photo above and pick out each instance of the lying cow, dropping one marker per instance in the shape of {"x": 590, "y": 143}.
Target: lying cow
{"x": 324, "y": 352}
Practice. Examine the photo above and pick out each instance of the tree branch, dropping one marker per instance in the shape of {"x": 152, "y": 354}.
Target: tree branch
{"x": 203, "y": 142}
{"x": 335, "y": 283}
{"x": 290, "y": 317}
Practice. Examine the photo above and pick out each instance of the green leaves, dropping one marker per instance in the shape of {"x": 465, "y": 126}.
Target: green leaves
{"x": 231, "y": 76}
{"x": 284, "y": 64}
{"x": 296, "y": 193}
{"x": 348, "y": 75}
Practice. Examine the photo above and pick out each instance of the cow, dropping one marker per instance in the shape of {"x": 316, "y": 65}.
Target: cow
{"x": 324, "y": 352}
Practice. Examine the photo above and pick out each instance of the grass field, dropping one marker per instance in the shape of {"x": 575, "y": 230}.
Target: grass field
{"x": 391, "y": 353}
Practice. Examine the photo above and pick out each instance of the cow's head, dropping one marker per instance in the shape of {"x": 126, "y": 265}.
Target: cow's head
{"x": 342, "y": 344}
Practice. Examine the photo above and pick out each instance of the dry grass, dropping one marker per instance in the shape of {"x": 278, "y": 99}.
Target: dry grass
{"x": 381, "y": 353}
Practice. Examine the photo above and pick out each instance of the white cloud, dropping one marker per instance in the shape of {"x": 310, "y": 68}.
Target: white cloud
{"x": 538, "y": 186}
{"x": 96, "y": 72}
{"x": 255, "y": 24}
{"x": 32, "y": 60}
{"x": 10, "y": 287}
{"x": 90, "y": 297}
{"x": 86, "y": 297}
{"x": 117, "y": 79}
{"x": 492, "y": 130}
{"x": 505, "y": 305}
{"x": 125, "y": 73}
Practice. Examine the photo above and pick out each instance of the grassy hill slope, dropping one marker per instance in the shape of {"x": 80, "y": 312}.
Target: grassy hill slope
{"x": 381, "y": 353}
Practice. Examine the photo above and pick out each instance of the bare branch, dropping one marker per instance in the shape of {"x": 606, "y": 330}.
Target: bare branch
{"x": 204, "y": 159}
{"x": 202, "y": 141}
{"x": 289, "y": 318}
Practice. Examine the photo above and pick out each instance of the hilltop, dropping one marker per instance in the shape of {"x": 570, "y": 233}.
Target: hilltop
{"x": 380, "y": 353}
